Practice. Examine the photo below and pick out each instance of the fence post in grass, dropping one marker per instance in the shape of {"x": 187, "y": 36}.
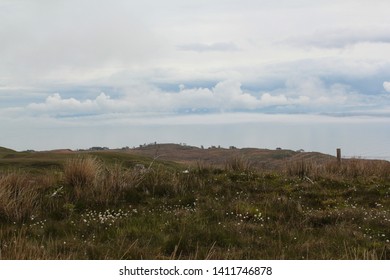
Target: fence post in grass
{"x": 338, "y": 155}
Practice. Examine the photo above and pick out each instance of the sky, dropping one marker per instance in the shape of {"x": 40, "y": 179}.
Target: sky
{"x": 300, "y": 74}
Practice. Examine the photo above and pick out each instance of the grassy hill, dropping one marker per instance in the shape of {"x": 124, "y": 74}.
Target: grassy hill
{"x": 178, "y": 202}
{"x": 258, "y": 158}
{"x": 6, "y": 151}
{"x": 40, "y": 160}
{"x": 171, "y": 154}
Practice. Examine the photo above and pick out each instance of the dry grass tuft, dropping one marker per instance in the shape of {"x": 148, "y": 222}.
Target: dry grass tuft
{"x": 18, "y": 196}
{"x": 300, "y": 168}
{"x": 350, "y": 168}
{"x": 360, "y": 168}
{"x": 239, "y": 164}
{"x": 82, "y": 171}
{"x": 92, "y": 181}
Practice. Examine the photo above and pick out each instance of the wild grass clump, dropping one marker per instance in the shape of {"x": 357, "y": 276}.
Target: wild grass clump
{"x": 203, "y": 168}
{"x": 238, "y": 164}
{"x": 355, "y": 168}
{"x": 348, "y": 168}
{"x": 82, "y": 172}
{"x": 83, "y": 179}
{"x": 116, "y": 183}
{"x": 92, "y": 182}
{"x": 18, "y": 196}
{"x": 300, "y": 168}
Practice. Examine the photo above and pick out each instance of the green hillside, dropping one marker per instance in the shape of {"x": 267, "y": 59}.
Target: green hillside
{"x": 6, "y": 150}
{"x": 174, "y": 202}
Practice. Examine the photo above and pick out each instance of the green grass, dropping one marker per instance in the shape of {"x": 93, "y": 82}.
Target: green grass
{"x": 102, "y": 206}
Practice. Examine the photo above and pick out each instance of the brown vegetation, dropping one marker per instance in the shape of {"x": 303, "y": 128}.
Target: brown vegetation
{"x": 114, "y": 205}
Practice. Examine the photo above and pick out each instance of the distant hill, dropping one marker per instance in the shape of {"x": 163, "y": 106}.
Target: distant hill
{"x": 61, "y": 151}
{"x": 171, "y": 155}
{"x": 6, "y": 150}
{"x": 263, "y": 158}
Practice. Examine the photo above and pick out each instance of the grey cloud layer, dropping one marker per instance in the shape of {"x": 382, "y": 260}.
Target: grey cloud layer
{"x": 343, "y": 37}
{"x": 197, "y": 47}
{"x": 48, "y": 46}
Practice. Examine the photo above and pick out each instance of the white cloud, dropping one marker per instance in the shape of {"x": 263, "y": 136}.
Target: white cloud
{"x": 313, "y": 92}
{"x": 268, "y": 99}
{"x": 225, "y": 96}
{"x": 55, "y": 105}
{"x": 386, "y": 86}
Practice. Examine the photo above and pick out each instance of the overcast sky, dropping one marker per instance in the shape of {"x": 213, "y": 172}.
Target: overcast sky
{"x": 176, "y": 62}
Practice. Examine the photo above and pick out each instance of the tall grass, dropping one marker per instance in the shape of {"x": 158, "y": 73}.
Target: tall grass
{"x": 97, "y": 210}
{"x": 82, "y": 172}
{"x": 360, "y": 168}
{"x": 239, "y": 164}
{"x": 348, "y": 168}
{"x": 18, "y": 196}
{"x": 91, "y": 181}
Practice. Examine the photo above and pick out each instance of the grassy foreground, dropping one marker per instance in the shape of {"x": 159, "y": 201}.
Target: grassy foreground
{"x": 92, "y": 206}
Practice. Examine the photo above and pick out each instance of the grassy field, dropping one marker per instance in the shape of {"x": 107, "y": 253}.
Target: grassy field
{"x": 208, "y": 204}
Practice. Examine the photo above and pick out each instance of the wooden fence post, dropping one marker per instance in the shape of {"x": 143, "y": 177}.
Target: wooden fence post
{"x": 338, "y": 155}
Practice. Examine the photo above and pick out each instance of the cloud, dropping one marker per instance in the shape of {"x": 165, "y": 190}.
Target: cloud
{"x": 300, "y": 94}
{"x": 386, "y": 86}
{"x": 215, "y": 47}
{"x": 111, "y": 44}
{"x": 315, "y": 92}
{"x": 225, "y": 96}
{"x": 55, "y": 105}
{"x": 43, "y": 42}
{"x": 342, "y": 37}
{"x": 229, "y": 96}
{"x": 268, "y": 99}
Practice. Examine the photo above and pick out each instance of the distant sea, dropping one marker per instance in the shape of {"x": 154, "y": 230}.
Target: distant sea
{"x": 357, "y": 137}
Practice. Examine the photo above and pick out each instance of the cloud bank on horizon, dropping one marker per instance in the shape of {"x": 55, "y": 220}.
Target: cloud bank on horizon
{"x": 118, "y": 59}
